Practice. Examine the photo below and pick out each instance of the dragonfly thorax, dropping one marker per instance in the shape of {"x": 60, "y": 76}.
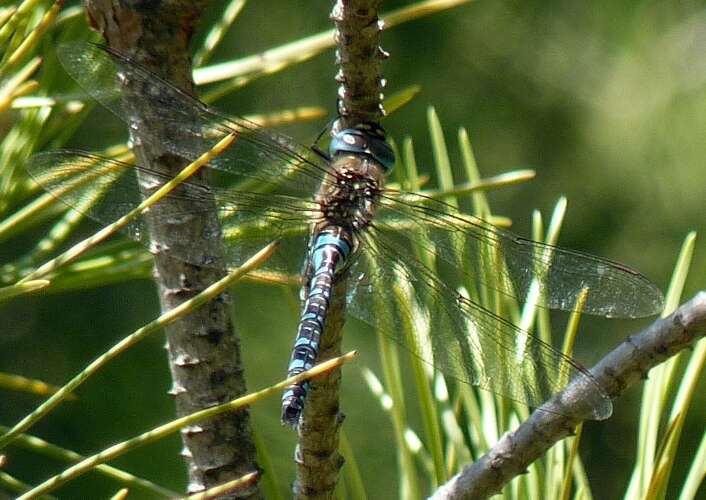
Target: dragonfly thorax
{"x": 350, "y": 194}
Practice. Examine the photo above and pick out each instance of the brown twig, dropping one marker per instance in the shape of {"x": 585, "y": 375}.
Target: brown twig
{"x": 358, "y": 57}
{"x": 204, "y": 352}
{"x": 625, "y": 365}
{"x": 317, "y": 457}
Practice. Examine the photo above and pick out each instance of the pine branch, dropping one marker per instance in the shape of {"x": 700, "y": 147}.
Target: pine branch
{"x": 204, "y": 352}
{"x": 627, "y": 364}
{"x": 317, "y": 457}
{"x": 358, "y": 57}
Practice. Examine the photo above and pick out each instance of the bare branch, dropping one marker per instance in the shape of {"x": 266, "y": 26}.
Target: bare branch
{"x": 204, "y": 352}
{"x": 358, "y": 57}
{"x": 626, "y": 364}
{"x": 317, "y": 457}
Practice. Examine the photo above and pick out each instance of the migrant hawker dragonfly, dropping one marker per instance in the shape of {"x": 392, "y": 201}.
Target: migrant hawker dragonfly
{"x": 334, "y": 213}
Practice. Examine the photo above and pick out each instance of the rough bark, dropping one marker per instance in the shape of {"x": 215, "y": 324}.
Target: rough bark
{"x": 317, "y": 457}
{"x": 358, "y": 57}
{"x": 203, "y": 349}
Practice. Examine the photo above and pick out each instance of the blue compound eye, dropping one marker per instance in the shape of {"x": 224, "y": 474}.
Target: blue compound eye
{"x": 357, "y": 141}
{"x": 382, "y": 152}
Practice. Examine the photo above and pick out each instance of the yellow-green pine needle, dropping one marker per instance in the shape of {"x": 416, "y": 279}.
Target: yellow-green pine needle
{"x": 697, "y": 472}
{"x": 228, "y": 487}
{"x": 17, "y": 85}
{"x": 354, "y": 479}
{"x": 176, "y": 425}
{"x": 655, "y": 391}
{"x": 111, "y": 229}
{"x": 218, "y": 31}
{"x": 269, "y": 485}
{"x": 14, "y": 382}
{"x": 278, "y": 58}
{"x": 495, "y": 182}
{"x": 44, "y": 448}
{"x": 158, "y": 324}
{"x": 573, "y": 457}
{"x": 22, "y": 288}
{"x": 33, "y": 38}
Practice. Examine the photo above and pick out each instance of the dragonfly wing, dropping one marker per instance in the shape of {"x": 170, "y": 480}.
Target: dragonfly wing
{"x": 106, "y": 189}
{"x": 402, "y": 298}
{"x": 167, "y": 116}
{"x": 560, "y": 276}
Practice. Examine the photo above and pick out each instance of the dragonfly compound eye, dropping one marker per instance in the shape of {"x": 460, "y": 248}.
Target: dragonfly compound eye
{"x": 357, "y": 141}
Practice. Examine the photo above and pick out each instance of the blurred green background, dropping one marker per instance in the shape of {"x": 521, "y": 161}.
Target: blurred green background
{"x": 605, "y": 100}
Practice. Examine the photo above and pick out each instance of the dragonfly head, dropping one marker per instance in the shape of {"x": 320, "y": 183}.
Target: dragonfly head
{"x": 353, "y": 140}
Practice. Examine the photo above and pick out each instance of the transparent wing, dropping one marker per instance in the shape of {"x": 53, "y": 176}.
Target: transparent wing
{"x": 165, "y": 115}
{"x": 401, "y": 297}
{"x": 464, "y": 243}
{"x": 106, "y": 189}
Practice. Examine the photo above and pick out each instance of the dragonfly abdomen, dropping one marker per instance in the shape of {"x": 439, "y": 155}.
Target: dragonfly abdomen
{"x": 328, "y": 255}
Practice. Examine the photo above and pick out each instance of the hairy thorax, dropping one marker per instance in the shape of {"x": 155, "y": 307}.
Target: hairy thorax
{"x": 350, "y": 192}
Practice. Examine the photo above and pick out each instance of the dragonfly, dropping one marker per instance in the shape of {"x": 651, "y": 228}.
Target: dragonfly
{"x": 409, "y": 259}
